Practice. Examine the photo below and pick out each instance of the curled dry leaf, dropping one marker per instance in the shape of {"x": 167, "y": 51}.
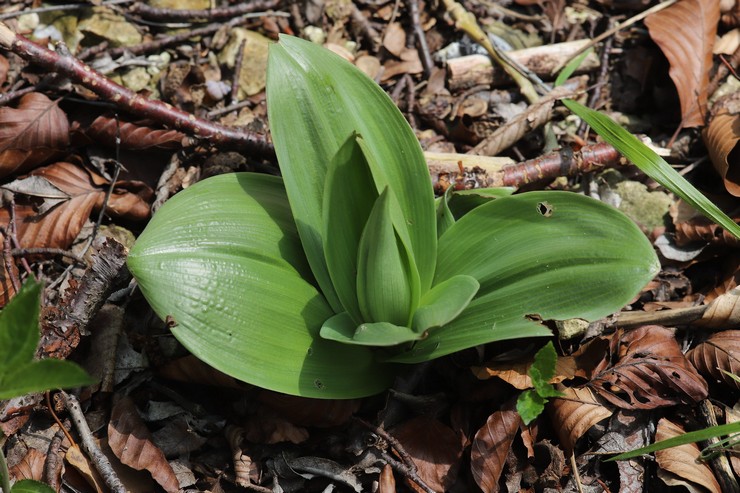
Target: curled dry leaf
{"x": 680, "y": 462}
{"x": 434, "y": 448}
{"x": 646, "y": 369}
{"x": 134, "y": 135}
{"x": 701, "y": 229}
{"x": 386, "y": 482}
{"x": 31, "y": 134}
{"x": 31, "y": 466}
{"x": 516, "y": 373}
{"x": 130, "y": 440}
{"x": 246, "y": 472}
{"x": 723, "y": 311}
{"x": 77, "y": 459}
{"x": 491, "y": 446}
{"x": 575, "y": 413}
{"x": 722, "y": 138}
{"x": 720, "y": 352}
{"x": 685, "y": 33}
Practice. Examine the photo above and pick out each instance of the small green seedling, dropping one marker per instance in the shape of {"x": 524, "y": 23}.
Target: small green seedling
{"x": 531, "y": 403}
{"x": 323, "y": 282}
{"x": 21, "y": 374}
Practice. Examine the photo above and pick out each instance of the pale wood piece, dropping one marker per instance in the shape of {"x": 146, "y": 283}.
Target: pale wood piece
{"x": 473, "y": 70}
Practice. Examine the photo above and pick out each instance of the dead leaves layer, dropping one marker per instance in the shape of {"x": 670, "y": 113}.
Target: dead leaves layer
{"x": 646, "y": 369}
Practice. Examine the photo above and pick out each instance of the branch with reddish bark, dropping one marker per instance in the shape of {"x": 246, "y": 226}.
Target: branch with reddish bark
{"x": 129, "y": 101}
{"x": 145, "y": 11}
{"x": 464, "y": 171}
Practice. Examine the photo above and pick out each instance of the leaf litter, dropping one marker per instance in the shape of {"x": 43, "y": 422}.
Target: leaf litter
{"x": 454, "y": 426}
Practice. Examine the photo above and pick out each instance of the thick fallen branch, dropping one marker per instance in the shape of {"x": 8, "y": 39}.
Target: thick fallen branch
{"x": 127, "y": 100}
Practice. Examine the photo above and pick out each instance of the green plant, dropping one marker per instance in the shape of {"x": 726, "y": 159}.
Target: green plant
{"x": 21, "y": 374}
{"x": 531, "y": 402}
{"x": 323, "y": 282}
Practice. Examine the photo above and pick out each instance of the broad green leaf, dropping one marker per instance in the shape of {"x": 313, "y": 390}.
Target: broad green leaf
{"x": 348, "y": 199}
{"x": 650, "y": 163}
{"x": 444, "y": 302}
{"x": 529, "y": 405}
{"x": 19, "y": 327}
{"x": 543, "y": 367}
{"x": 316, "y": 100}
{"x": 554, "y": 255}
{"x": 31, "y": 486}
{"x": 463, "y": 201}
{"x": 384, "y": 334}
{"x": 384, "y": 281}
{"x": 40, "y": 376}
{"x": 341, "y": 328}
{"x": 444, "y": 214}
{"x": 222, "y": 258}
{"x": 690, "y": 437}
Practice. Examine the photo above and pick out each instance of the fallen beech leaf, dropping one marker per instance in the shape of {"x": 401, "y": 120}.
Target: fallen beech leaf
{"x": 681, "y": 462}
{"x": 134, "y": 135}
{"x": 721, "y": 138}
{"x": 491, "y": 446}
{"x": 395, "y": 39}
{"x": 192, "y": 370}
{"x": 685, "y": 33}
{"x": 516, "y": 373}
{"x": 574, "y": 414}
{"x": 269, "y": 429}
{"x": 723, "y": 311}
{"x": 720, "y": 352}
{"x": 130, "y": 441}
{"x": 81, "y": 463}
{"x": 435, "y": 449}
{"x": 386, "y": 482}
{"x": 31, "y": 466}
{"x": 410, "y": 63}
{"x": 34, "y": 132}
{"x": 646, "y": 369}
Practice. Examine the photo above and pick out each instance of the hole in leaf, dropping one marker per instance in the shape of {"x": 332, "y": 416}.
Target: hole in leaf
{"x": 318, "y": 384}
{"x": 545, "y": 208}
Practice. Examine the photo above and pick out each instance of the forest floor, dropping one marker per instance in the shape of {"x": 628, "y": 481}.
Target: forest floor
{"x": 83, "y": 168}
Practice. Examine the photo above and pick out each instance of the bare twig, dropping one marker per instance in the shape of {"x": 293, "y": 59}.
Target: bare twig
{"x": 426, "y": 57}
{"x": 22, "y": 252}
{"x": 55, "y": 8}
{"x": 129, "y": 101}
{"x": 88, "y": 444}
{"x": 237, "y": 71}
{"x": 143, "y": 10}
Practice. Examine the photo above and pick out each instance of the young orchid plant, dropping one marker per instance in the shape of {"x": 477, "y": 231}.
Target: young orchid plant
{"x": 323, "y": 282}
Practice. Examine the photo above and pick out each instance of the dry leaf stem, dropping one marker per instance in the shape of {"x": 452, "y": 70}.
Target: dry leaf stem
{"x": 127, "y": 100}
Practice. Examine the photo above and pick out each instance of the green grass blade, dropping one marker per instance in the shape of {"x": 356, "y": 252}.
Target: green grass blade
{"x": 649, "y": 162}
{"x": 690, "y": 437}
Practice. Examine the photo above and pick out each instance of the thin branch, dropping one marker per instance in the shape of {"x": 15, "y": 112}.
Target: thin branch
{"x": 129, "y": 101}
{"x": 91, "y": 448}
{"x": 145, "y": 11}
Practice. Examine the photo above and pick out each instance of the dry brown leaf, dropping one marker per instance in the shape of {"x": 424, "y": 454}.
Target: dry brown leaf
{"x": 134, "y": 135}
{"x": 245, "y": 470}
{"x": 646, "y": 369}
{"x": 702, "y": 229}
{"x": 34, "y": 132}
{"x": 685, "y": 33}
{"x": 130, "y": 440}
{"x": 574, "y": 414}
{"x": 395, "y": 39}
{"x": 721, "y": 138}
{"x": 81, "y": 463}
{"x": 386, "y": 482}
{"x": 410, "y": 63}
{"x": 723, "y": 311}
{"x": 490, "y": 447}
{"x": 31, "y": 466}
{"x": 304, "y": 411}
{"x": 434, "y": 448}
{"x": 516, "y": 373}
{"x": 681, "y": 461}
{"x": 720, "y": 352}
{"x": 269, "y": 429}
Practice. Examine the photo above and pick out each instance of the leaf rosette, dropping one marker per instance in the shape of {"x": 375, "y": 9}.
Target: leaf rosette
{"x": 321, "y": 282}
